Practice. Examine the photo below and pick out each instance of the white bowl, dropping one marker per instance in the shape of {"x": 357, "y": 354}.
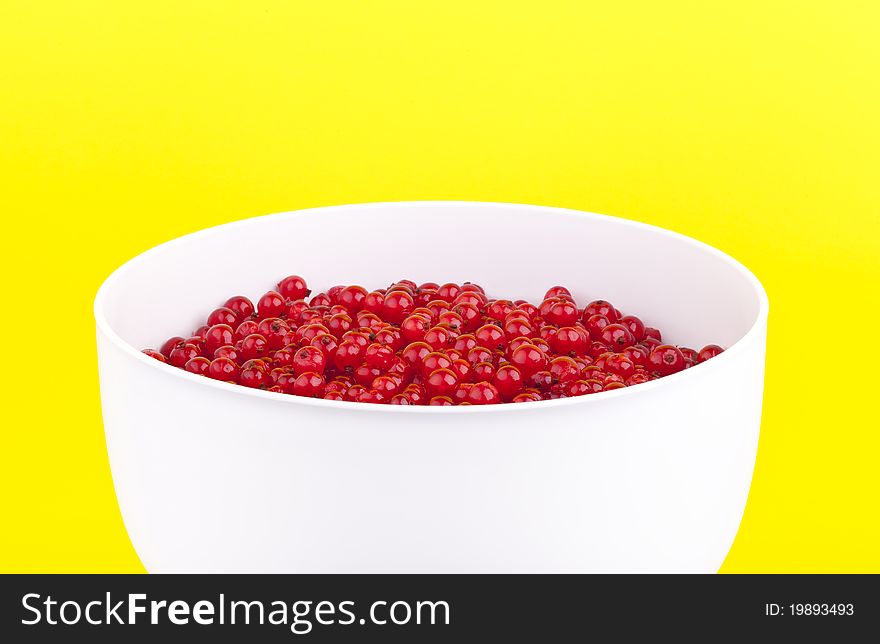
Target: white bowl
{"x": 215, "y": 477}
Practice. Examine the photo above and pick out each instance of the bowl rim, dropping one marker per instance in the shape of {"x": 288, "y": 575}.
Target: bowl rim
{"x": 717, "y": 362}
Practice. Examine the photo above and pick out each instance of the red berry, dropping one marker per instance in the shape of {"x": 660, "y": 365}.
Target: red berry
{"x": 570, "y": 340}
{"x": 559, "y": 311}
{"x": 183, "y": 353}
{"x": 563, "y": 370}
{"x": 296, "y": 309}
{"x": 433, "y": 361}
{"x": 441, "y": 382}
{"x": 271, "y": 305}
{"x": 483, "y": 393}
{"x": 352, "y": 297}
{"x": 223, "y": 369}
{"x": 333, "y": 294}
{"x": 414, "y": 327}
{"x": 600, "y": 307}
{"x": 327, "y": 344}
{"x": 527, "y": 396}
{"x": 386, "y": 385}
{"x": 348, "y": 355}
{"x": 666, "y": 359}
{"x": 340, "y": 324}
{"x": 470, "y": 316}
{"x": 154, "y": 354}
{"x": 517, "y": 327}
{"x": 378, "y": 356}
{"x": 470, "y": 287}
{"x": 441, "y": 401}
{"x": 415, "y": 352}
{"x": 241, "y": 306}
{"x": 374, "y": 302}
{"x": 400, "y": 399}
{"x": 353, "y": 393}
{"x": 462, "y": 369}
{"x": 708, "y": 352}
{"x": 437, "y": 338}
{"x": 397, "y": 306}
{"x": 305, "y": 334}
{"x": 483, "y": 372}
{"x": 390, "y": 337}
{"x": 308, "y": 384}
{"x": 498, "y": 309}
{"x": 309, "y": 358}
{"x": 293, "y": 288}
{"x": 595, "y": 324}
{"x": 540, "y": 380}
{"x": 223, "y": 316}
{"x": 451, "y": 320}
{"x": 635, "y": 326}
{"x": 197, "y": 365}
{"x": 245, "y": 329}
{"x": 620, "y": 364}
{"x": 617, "y": 337}
{"x": 479, "y": 354}
{"x": 490, "y": 336}
{"x": 253, "y": 346}
{"x": 528, "y": 358}
{"x": 253, "y": 374}
{"x": 557, "y": 291}
{"x": 447, "y": 292}
{"x": 508, "y": 381}
{"x": 275, "y": 330}
{"x": 578, "y": 388}
{"x": 169, "y": 344}
{"x": 638, "y": 353}
{"x": 416, "y": 393}
{"x": 226, "y": 351}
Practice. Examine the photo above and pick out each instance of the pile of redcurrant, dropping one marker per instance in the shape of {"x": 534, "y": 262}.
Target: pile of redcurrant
{"x": 427, "y": 344}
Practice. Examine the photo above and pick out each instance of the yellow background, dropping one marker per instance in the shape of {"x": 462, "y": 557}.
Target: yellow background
{"x": 751, "y": 125}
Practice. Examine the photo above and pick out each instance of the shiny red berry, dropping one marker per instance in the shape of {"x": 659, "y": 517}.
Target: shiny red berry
{"x": 254, "y": 375}
{"x": 309, "y": 358}
{"x": 666, "y": 359}
{"x": 397, "y": 306}
{"x": 223, "y": 315}
{"x": 379, "y": 356}
{"x": 708, "y": 352}
{"x": 241, "y": 306}
{"x": 155, "y": 355}
{"x": 308, "y": 384}
{"x": 617, "y": 337}
{"x": 253, "y": 346}
{"x": 197, "y": 365}
{"x": 223, "y": 369}
{"x": 293, "y": 287}
{"x": 508, "y": 381}
{"x": 271, "y": 305}
{"x": 483, "y": 393}
{"x": 441, "y": 382}
{"x": 563, "y": 370}
{"x": 528, "y": 358}
{"x": 600, "y": 307}
{"x": 183, "y": 353}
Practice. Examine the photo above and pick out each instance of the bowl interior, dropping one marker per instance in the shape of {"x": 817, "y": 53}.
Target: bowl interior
{"x": 694, "y": 293}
